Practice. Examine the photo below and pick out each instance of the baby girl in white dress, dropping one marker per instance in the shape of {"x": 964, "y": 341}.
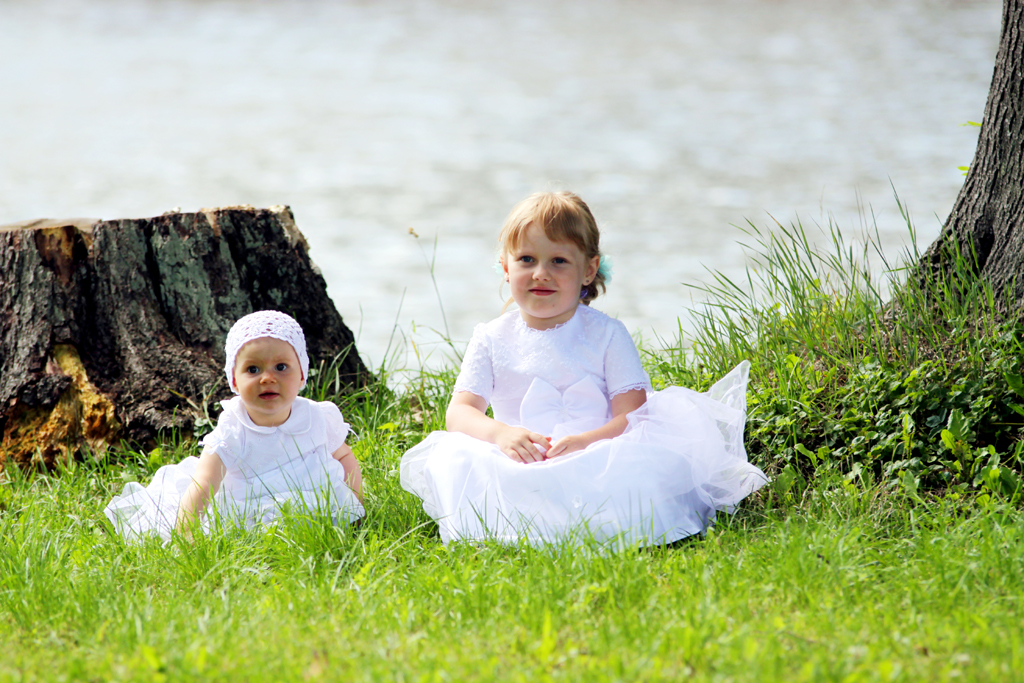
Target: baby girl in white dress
{"x": 579, "y": 445}
{"x": 270, "y": 446}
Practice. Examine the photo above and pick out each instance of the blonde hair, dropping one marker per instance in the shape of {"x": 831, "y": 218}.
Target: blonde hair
{"x": 565, "y": 218}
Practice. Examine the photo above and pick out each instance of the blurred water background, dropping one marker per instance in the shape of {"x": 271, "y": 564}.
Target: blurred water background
{"x": 674, "y": 120}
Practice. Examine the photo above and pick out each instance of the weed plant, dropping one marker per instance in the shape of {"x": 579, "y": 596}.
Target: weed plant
{"x": 899, "y": 374}
{"x": 831, "y": 574}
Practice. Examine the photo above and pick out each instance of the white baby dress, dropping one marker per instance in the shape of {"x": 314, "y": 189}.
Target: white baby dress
{"x": 680, "y": 459}
{"x": 267, "y": 467}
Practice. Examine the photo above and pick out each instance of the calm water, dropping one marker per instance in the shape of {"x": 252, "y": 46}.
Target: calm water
{"x": 674, "y": 120}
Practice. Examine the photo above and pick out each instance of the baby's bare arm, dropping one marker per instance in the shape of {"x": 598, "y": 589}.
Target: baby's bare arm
{"x": 467, "y": 414}
{"x": 622, "y": 405}
{"x": 209, "y": 474}
{"x": 353, "y": 475}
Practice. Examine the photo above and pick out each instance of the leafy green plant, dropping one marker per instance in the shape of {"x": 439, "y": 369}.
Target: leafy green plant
{"x": 894, "y": 373}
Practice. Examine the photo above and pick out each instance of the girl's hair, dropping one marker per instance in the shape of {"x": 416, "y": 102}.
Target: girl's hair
{"x": 565, "y": 218}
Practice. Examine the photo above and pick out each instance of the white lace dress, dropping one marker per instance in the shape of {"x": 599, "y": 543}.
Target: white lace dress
{"x": 267, "y": 467}
{"x": 680, "y": 459}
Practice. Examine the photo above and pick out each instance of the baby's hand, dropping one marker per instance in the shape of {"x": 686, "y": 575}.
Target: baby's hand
{"x": 522, "y": 445}
{"x": 568, "y": 444}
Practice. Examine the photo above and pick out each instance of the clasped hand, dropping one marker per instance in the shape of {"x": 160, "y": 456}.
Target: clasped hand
{"x": 522, "y": 445}
{"x": 568, "y": 444}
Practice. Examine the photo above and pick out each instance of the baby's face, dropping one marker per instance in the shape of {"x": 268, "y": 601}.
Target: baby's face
{"x": 268, "y": 378}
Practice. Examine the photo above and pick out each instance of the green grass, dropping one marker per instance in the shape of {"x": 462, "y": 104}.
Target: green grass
{"x": 870, "y": 556}
{"x": 848, "y": 585}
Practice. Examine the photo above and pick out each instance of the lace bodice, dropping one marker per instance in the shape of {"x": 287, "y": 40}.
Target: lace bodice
{"x": 505, "y": 356}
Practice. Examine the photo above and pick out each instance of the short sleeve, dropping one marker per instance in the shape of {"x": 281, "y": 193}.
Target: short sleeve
{"x": 226, "y": 438}
{"x": 337, "y": 428}
{"x": 623, "y": 370}
{"x": 477, "y": 373}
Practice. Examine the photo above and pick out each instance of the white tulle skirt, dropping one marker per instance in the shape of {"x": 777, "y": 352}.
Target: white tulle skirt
{"x": 315, "y": 488}
{"x": 680, "y": 460}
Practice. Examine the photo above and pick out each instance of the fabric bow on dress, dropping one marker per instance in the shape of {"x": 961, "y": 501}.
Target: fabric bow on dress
{"x": 578, "y": 409}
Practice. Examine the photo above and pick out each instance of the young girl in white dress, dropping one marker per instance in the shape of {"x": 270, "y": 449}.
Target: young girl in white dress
{"x": 579, "y": 445}
{"x": 270, "y": 446}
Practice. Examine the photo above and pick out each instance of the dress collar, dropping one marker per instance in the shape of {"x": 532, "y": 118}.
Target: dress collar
{"x": 521, "y": 324}
{"x": 297, "y": 423}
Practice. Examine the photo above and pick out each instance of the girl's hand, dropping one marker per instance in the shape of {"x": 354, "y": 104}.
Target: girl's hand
{"x": 522, "y": 445}
{"x": 569, "y": 444}
{"x": 467, "y": 414}
{"x": 622, "y": 405}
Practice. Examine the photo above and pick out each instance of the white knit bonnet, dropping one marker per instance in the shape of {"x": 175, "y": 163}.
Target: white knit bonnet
{"x": 264, "y": 324}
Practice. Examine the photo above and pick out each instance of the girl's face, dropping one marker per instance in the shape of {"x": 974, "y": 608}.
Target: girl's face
{"x": 547, "y": 277}
{"x": 268, "y": 378}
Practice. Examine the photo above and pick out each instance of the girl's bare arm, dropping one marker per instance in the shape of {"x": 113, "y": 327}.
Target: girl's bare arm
{"x": 622, "y": 405}
{"x": 467, "y": 414}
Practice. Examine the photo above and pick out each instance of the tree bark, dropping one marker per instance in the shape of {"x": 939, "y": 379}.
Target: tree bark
{"x": 986, "y": 217}
{"x": 115, "y": 329}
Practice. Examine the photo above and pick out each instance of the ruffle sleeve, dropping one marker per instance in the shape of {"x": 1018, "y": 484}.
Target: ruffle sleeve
{"x": 337, "y": 428}
{"x": 623, "y": 370}
{"x": 477, "y": 373}
{"x": 228, "y": 438}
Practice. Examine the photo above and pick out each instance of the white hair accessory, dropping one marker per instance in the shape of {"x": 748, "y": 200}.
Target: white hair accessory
{"x": 264, "y": 324}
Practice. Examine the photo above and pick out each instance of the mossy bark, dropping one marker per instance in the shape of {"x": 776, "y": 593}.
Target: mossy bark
{"x": 115, "y": 329}
{"x": 987, "y": 217}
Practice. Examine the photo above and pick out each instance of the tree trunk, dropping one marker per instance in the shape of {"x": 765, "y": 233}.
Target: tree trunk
{"x": 115, "y": 329}
{"x": 987, "y": 215}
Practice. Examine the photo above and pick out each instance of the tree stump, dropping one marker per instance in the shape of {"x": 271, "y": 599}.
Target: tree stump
{"x": 115, "y": 330}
